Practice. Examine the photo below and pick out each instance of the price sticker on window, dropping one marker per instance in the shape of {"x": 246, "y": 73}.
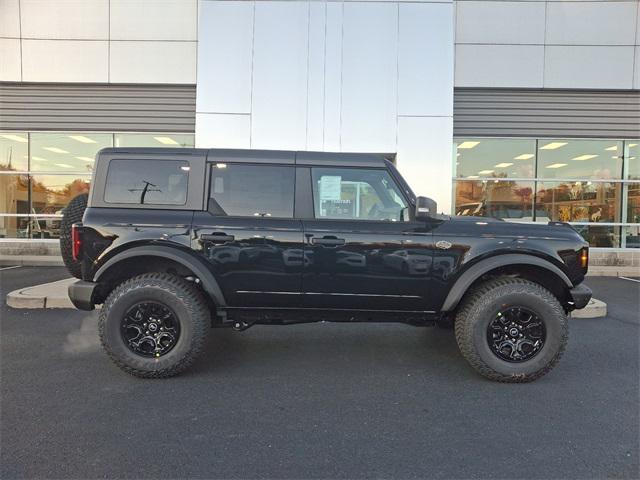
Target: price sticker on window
{"x": 330, "y": 187}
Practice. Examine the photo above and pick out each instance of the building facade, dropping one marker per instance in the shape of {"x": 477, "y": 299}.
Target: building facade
{"x": 524, "y": 110}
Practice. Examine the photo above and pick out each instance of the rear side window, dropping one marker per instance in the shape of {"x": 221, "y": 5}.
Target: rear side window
{"x": 147, "y": 182}
{"x": 251, "y": 190}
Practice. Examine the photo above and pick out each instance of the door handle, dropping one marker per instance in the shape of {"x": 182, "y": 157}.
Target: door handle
{"x": 329, "y": 241}
{"x": 217, "y": 237}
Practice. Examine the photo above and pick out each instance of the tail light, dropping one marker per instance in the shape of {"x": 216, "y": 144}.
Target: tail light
{"x": 584, "y": 257}
{"x": 76, "y": 241}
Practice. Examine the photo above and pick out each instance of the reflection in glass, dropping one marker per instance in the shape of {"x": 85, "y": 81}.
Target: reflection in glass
{"x": 587, "y": 159}
{"x": 631, "y": 236}
{"x": 154, "y": 139}
{"x": 632, "y": 195}
{"x": 578, "y": 201}
{"x": 14, "y": 198}
{"x": 632, "y": 159}
{"x": 66, "y": 152}
{"x": 51, "y": 193}
{"x": 600, "y": 235}
{"x": 14, "y": 151}
{"x": 498, "y": 158}
{"x": 494, "y": 198}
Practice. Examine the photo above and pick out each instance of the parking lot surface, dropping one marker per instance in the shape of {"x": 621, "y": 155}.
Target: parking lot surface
{"x": 315, "y": 401}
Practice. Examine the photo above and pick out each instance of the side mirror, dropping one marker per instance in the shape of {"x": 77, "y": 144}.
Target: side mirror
{"x": 425, "y": 208}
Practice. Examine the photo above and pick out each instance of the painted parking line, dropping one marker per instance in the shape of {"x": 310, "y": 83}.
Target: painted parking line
{"x": 630, "y": 279}
{"x": 9, "y": 268}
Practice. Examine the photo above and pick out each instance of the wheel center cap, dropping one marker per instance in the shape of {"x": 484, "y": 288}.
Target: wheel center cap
{"x": 514, "y": 332}
{"x": 153, "y": 327}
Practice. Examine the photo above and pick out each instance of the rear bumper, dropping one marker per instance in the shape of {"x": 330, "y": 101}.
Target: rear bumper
{"x": 81, "y": 294}
{"x": 580, "y": 296}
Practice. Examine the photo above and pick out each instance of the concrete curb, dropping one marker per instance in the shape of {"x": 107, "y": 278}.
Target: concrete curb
{"x": 47, "y": 295}
{"x": 54, "y": 295}
{"x": 31, "y": 261}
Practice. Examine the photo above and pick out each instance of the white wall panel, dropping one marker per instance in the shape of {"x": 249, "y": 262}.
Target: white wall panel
{"x": 153, "y": 62}
{"x": 591, "y": 23}
{"x": 279, "y": 105}
{"x": 588, "y": 67}
{"x": 65, "y": 19}
{"x": 224, "y": 57}
{"x": 369, "y": 76}
{"x": 65, "y": 61}
{"x": 9, "y": 18}
{"x": 222, "y": 130}
{"x": 636, "y": 74}
{"x": 499, "y": 66}
{"x": 10, "y": 60}
{"x": 153, "y": 19}
{"x": 425, "y": 59}
{"x": 425, "y": 152}
{"x": 500, "y": 22}
{"x": 315, "y": 84}
{"x": 333, "y": 77}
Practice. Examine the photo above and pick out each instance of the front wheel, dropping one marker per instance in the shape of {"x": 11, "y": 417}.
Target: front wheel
{"x": 154, "y": 325}
{"x": 511, "y": 330}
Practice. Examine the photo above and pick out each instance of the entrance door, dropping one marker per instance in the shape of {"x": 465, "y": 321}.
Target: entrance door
{"x": 362, "y": 250}
{"x": 249, "y": 236}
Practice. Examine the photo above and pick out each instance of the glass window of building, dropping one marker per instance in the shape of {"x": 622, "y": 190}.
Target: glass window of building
{"x": 154, "y": 140}
{"x": 66, "y": 152}
{"x": 495, "y": 158}
{"x": 632, "y": 159}
{"x": 580, "y": 201}
{"x": 580, "y": 159}
{"x": 495, "y": 198}
{"x": 14, "y": 151}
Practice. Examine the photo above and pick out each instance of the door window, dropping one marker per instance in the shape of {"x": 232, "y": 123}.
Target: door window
{"x": 251, "y": 190}
{"x": 357, "y": 194}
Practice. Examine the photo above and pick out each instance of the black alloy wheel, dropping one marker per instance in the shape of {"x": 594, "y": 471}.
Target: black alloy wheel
{"x": 150, "y": 329}
{"x": 516, "y": 334}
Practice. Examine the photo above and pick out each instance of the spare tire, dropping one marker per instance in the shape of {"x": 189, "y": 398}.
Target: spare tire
{"x": 71, "y": 214}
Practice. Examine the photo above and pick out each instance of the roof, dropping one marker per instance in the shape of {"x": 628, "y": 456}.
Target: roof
{"x": 263, "y": 156}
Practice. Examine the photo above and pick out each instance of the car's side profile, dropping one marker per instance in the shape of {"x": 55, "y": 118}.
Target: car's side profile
{"x": 174, "y": 241}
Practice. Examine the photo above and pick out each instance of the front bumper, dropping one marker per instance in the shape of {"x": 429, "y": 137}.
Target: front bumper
{"x": 81, "y": 294}
{"x": 580, "y": 296}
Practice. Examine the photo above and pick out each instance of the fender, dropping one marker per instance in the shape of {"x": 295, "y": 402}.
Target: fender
{"x": 473, "y": 273}
{"x": 209, "y": 283}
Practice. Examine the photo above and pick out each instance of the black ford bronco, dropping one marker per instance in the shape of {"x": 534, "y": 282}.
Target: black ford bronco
{"x": 172, "y": 242}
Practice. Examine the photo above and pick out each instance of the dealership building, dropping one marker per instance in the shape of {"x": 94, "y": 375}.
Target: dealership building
{"x": 524, "y": 110}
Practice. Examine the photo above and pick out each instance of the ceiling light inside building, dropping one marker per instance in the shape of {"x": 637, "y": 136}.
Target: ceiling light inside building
{"x": 55, "y": 150}
{"x": 18, "y": 138}
{"x": 465, "y": 145}
{"x": 82, "y": 139}
{"x": 612, "y": 149}
{"x": 39, "y": 159}
{"x": 584, "y": 157}
{"x": 86, "y": 159}
{"x": 473, "y": 176}
{"x": 633, "y": 145}
{"x": 524, "y": 156}
{"x": 553, "y": 145}
{"x": 485, "y": 172}
{"x": 503, "y": 165}
{"x": 63, "y": 165}
{"x": 556, "y": 165}
{"x": 166, "y": 140}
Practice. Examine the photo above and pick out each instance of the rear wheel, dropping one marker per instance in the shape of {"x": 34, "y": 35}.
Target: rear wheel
{"x": 154, "y": 325}
{"x": 71, "y": 214}
{"x": 511, "y": 330}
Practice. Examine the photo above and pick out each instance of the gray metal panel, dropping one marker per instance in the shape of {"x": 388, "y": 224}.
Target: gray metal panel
{"x": 97, "y": 107}
{"x": 495, "y": 112}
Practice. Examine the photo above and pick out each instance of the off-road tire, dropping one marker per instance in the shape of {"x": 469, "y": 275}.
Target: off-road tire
{"x": 483, "y": 303}
{"x": 71, "y": 214}
{"x": 182, "y": 297}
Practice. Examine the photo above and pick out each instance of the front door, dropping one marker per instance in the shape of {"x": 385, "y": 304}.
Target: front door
{"x": 362, "y": 250}
{"x": 249, "y": 236}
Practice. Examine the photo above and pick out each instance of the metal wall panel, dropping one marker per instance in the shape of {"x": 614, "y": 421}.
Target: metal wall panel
{"x": 97, "y": 107}
{"x": 546, "y": 113}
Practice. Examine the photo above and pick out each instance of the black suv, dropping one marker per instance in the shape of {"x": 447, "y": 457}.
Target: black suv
{"x": 174, "y": 241}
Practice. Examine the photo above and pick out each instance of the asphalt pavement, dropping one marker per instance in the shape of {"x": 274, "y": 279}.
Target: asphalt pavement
{"x": 315, "y": 401}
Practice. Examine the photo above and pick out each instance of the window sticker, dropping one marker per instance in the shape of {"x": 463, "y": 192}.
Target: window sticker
{"x": 330, "y": 187}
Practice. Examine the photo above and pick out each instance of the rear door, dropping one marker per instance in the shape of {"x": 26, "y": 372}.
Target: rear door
{"x": 362, "y": 248}
{"x": 248, "y": 233}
